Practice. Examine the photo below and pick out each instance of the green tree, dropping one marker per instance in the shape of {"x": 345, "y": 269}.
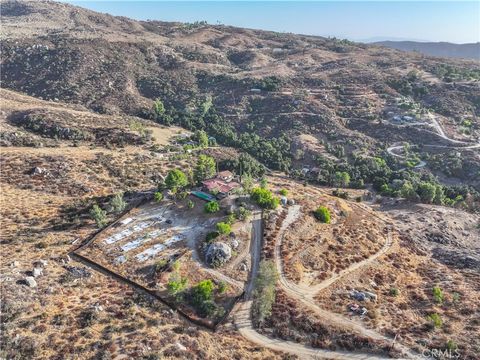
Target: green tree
{"x": 247, "y": 183}
{"x": 439, "y": 195}
{"x": 224, "y": 228}
{"x": 205, "y": 168}
{"x": 264, "y": 293}
{"x": 408, "y": 191}
{"x": 341, "y": 179}
{"x": 158, "y": 107}
{"x": 211, "y": 207}
{"x": 264, "y": 198}
{"x": 322, "y": 214}
{"x": 203, "y": 291}
{"x": 176, "y": 179}
{"x": 202, "y": 138}
{"x": 427, "y": 192}
{"x": 99, "y": 215}
{"x": 117, "y": 204}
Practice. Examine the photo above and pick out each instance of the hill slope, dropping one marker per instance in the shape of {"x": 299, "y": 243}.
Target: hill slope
{"x": 260, "y": 91}
{"x": 442, "y": 49}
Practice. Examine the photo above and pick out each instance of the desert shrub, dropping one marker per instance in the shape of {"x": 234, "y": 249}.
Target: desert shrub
{"x": 437, "y": 294}
{"x": 265, "y": 290}
{"x": 340, "y": 194}
{"x": 99, "y": 215}
{"x": 117, "y": 204}
{"x": 242, "y": 213}
{"x": 158, "y": 196}
{"x": 283, "y": 192}
{"x": 435, "y": 319}
{"x": 190, "y": 204}
{"x": 264, "y": 198}
{"x": 322, "y": 214}
{"x": 211, "y": 207}
{"x": 451, "y": 345}
{"x": 175, "y": 285}
{"x": 87, "y": 318}
{"x": 202, "y": 297}
{"x": 224, "y": 228}
{"x": 222, "y": 287}
{"x": 394, "y": 291}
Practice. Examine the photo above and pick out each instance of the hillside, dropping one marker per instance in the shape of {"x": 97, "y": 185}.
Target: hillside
{"x": 356, "y": 238}
{"x": 441, "y": 49}
{"x": 332, "y": 89}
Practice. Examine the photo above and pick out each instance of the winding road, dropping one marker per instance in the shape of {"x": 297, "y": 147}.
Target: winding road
{"x": 243, "y": 316}
{"x": 439, "y": 132}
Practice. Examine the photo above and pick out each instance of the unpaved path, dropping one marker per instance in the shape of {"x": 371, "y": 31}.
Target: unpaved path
{"x": 243, "y": 320}
{"x": 439, "y": 132}
{"x": 305, "y": 296}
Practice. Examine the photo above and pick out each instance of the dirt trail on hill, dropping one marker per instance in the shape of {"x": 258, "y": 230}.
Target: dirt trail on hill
{"x": 243, "y": 315}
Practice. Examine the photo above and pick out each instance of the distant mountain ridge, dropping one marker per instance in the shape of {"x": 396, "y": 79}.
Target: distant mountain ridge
{"x": 442, "y": 49}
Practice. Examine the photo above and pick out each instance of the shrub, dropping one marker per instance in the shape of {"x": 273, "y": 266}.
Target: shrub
{"x": 202, "y": 297}
{"x": 242, "y": 213}
{"x": 222, "y": 287}
{"x": 99, "y": 215}
{"x": 201, "y": 137}
{"x": 190, "y": 204}
{"x": 264, "y": 198}
{"x": 437, "y": 294}
{"x": 451, "y": 345}
{"x": 176, "y": 286}
{"x": 211, "y": 207}
{"x": 211, "y": 235}
{"x": 265, "y": 290}
{"x": 117, "y": 204}
{"x": 231, "y": 219}
{"x": 224, "y": 228}
{"x": 435, "y": 319}
{"x": 394, "y": 292}
{"x": 283, "y": 192}
{"x": 176, "y": 179}
{"x": 322, "y": 214}
{"x": 158, "y": 196}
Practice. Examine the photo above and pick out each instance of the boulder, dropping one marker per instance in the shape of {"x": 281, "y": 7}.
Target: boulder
{"x": 180, "y": 347}
{"x": 37, "y": 272}
{"x": 218, "y": 253}
{"x": 30, "y": 281}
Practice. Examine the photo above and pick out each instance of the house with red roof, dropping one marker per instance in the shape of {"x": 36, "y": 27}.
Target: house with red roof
{"x": 222, "y": 184}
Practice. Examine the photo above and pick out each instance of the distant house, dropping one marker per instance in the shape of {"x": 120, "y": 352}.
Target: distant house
{"x": 222, "y": 184}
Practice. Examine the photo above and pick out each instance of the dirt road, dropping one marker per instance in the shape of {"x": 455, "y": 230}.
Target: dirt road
{"x": 243, "y": 317}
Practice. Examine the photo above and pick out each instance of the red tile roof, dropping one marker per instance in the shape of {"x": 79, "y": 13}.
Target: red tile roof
{"x": 220, "y": 185}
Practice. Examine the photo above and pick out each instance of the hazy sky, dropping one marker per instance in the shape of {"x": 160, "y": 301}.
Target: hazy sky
{"x": 453, "y": 21}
